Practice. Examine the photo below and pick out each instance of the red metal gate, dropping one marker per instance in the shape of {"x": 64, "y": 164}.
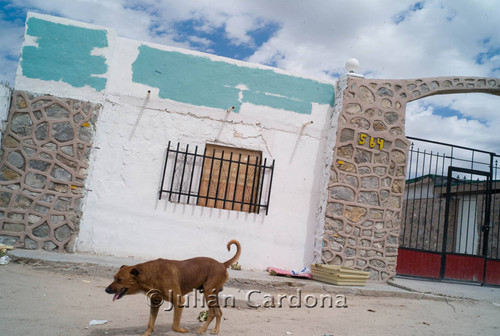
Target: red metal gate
{"x": 450, "y": 222}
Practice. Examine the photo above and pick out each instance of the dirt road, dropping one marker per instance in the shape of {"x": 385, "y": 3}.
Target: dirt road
{"x": 40, "y": 300}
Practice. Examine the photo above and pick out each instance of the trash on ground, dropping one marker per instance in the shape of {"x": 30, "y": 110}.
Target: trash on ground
{"x": 202, "y": 317}
{"x": 4, "y": 248}
{"x": 98, "y": 322}
{"x": 305, "y": 273}
{"x": 4, "y": 260}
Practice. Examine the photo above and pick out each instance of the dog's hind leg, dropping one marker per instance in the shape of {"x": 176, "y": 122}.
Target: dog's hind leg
{"x": 214, "y": 311}
{"x": 218, "y": 317}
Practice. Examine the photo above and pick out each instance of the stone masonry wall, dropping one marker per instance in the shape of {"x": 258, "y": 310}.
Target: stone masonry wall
{"x": 43, "y": 166}
{"x": 367, "y": 180}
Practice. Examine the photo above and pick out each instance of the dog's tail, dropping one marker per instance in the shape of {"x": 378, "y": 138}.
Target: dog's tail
{"x": 236, "y": 256}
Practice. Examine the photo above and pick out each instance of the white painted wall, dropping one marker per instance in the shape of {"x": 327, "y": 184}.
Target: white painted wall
{"x": 122, "y": 214}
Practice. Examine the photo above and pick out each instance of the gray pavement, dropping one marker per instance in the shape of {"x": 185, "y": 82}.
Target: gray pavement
{"x": 245, "y": 280}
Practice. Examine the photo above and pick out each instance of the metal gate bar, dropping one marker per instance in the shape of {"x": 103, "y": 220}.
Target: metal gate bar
{"x": 446, "y": 214}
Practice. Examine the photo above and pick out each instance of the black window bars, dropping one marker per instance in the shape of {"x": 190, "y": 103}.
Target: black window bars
{"x": 225, "y": 178}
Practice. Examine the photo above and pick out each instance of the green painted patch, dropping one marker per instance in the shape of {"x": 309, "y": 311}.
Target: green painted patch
{"x": 198, "y": 80}
{"x": 64, "y": 54}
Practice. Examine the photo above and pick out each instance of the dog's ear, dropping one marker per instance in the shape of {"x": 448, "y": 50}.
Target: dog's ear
{"x": 135, "y": 272}
{"x": 123, "y": 266}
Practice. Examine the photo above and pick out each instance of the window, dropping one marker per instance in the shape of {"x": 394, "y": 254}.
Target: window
{"x": 220, "y": 177}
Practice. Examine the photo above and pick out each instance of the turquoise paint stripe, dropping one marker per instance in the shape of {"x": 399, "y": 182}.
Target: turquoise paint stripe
{"x": 198, "y": 80}
{"x": 63, "y": 54}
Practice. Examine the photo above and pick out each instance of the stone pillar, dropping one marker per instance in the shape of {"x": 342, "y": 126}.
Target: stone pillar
{"x": 366, "y": 182}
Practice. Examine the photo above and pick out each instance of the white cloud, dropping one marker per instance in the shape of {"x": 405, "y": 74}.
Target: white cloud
{"x": 422, "y": 122}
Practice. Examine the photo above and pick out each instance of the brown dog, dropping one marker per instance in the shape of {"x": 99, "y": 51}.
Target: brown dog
{"x": 170, "y": 280}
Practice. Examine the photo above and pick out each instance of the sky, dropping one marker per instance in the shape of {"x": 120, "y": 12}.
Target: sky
{"x": 390, "y": 38}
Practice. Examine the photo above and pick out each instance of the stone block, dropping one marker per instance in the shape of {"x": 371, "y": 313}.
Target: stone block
{"x": 355, "y": 213}
{"x": 398, "y": 156}
{"x": 13, "y": 227}
{"x": 56, "y": 111}
{"x": 334, "y": 225}
{"x": 381, "y": 171}
{"x": 57, "y": 219}
{"x": 85, "y": 134}
{"x": 386, "y": 103}
{"x": 16, "y": 159}
{"x": 42, "y": 131}
{"x": 369, "y": 197}
{"x": 397, "y": 186}
{"x": 21, "y": 124}
{"x": 365, "y": 95}
{"x": 353, "y": 108}
{"x": 62, "y": 233}
{"x": 385, "y": 92}
{"x": 362, "y": 156}
{"x": 10, "y": 142}
{"x": 41, "y": 231}
{"x": 20, "y": 102}
{"x": 360, "y": 123}
{"x": 346, "y": 167}
{"x": 5, "y": 199}
{"x": 345, "y": 151}
{"x": 47, "y": 198}
{"x": 7, "y": 174}
{"x": 351, "y": 180}
{"x": 8, "y": 240}
{"x": 30, "y": 244}
{"x": 22, "y": 202}
{"x": 379, "y": 126}
{"x": 334, "y": 209}
{"x": 35, "y": 180}
{"x": 38, "y": 165}
{"x": 370, "y": 182}
{"x": 33, "y": 219}
{"x": 41, "y": 209}
{"x": 63, "y": 132}
{"x": 342, "y": 193}
{"x": 347, "y": 134}
{"x": 61, "y": 174}
{"x": 62, "y": 204}
{"x": 49, "y": 246}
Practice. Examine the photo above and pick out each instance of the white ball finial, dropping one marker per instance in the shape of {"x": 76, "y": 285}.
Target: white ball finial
{"x": 352, "y": 65}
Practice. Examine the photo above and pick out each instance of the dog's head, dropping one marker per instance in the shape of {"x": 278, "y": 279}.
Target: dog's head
{"x": 126, "y": 282}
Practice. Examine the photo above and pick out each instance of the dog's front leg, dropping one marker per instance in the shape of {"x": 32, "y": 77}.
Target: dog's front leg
{"x": 178, "y": 307}
{"x": 152, "y": 319}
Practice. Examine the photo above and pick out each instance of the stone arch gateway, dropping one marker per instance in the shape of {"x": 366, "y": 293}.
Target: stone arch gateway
{"x": 367, "y": 176}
